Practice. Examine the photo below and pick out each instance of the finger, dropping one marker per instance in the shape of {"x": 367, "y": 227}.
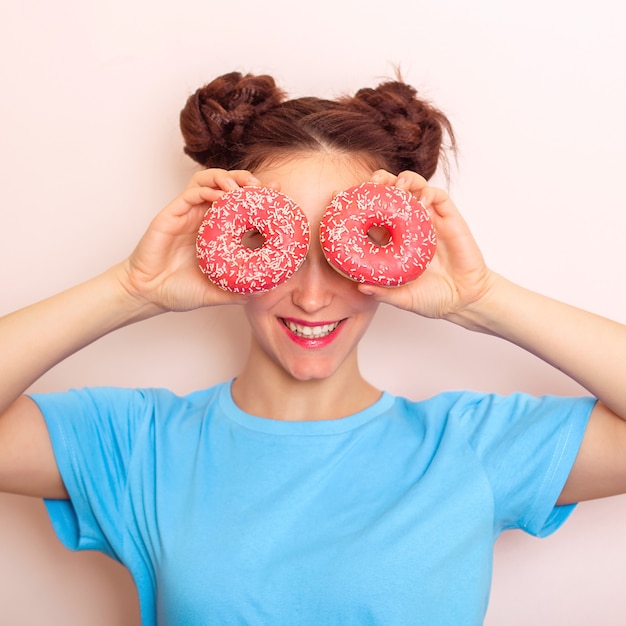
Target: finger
{"x": 274, "y": 184}
{"x": 383, "y": 177}
{"x": 243, "y": 178}
{"x": 411, "y": 181}
{"x": 438, "y": 202}
{"x": 210, "y": 185}
{"x": 370, "y": 290}
{"x": 224, "y": 180}
{"x": 210, "y": 178}
{"x": 216, "y": 295}
{"x": 394, "y": 296}
{"x": 192, "y": 199}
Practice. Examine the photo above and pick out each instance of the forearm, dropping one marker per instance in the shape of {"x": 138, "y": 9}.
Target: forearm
{"x": 36, "y": 338}
{"x": 587, "y": 347}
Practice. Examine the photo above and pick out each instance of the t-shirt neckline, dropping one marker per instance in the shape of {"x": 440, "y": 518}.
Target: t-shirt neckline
{"x": 306, "y": 428}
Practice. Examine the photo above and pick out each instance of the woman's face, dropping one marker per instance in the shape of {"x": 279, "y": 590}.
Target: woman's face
{"x": 310, "y": 325}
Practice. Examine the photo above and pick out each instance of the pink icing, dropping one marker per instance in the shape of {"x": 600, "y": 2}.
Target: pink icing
{"x": 344, "y": 235}
{"x": 237, "y": 268}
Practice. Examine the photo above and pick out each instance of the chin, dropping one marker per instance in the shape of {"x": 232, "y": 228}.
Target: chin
{"x": 305, "y": 376}
{"x": 311, "y": 372}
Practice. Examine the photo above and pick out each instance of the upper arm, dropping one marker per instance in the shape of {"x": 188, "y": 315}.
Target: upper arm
{"x": 600, "y": 467}
{"x": 27, "y": 463}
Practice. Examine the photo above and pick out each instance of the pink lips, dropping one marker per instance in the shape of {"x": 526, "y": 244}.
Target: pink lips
{"x": 311, "y": 334}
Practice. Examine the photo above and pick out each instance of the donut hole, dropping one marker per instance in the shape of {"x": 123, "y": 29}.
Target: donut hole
{"x": 379, "y": 235}
{"x": 252, "y": 239}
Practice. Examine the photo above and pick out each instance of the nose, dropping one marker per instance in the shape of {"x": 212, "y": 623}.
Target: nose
{"x": 314, "y": 284}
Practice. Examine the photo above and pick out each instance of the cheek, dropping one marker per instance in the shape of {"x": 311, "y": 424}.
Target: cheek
{"x": 370, "y": 311}
{"x": 257, "y": 310}
{"x": 363, "y": 307}
{"x": 360, "y": 302}
{"x": 260, "y": 308}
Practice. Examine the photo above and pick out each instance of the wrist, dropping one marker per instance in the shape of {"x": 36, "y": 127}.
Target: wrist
{"x": 486, "y": 312}
{"x": 127, "y": 305}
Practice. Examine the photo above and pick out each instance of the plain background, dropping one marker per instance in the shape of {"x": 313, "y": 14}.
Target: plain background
{"x": 90, "y": 150}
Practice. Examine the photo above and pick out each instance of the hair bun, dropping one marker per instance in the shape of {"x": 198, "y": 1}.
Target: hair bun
{"x": 215, "y": 116}
{"x": 417, "y": 127}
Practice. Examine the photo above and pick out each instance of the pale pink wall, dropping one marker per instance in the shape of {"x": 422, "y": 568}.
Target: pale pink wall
{"x": 90, "y": 151}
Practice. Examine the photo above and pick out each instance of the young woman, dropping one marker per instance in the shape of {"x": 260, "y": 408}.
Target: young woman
{"x": 299, "y": 492}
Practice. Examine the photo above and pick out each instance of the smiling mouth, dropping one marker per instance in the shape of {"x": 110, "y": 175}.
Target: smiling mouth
{"x": 311, "y": 332}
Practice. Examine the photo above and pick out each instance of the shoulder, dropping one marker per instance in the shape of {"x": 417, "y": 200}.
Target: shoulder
{"x": 487, "y": 415}
{"x": 123, "y": 411}
{"x": 468, "y": 404}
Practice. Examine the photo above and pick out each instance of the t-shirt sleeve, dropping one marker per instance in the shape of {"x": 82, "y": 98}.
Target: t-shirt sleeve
{"x": 93, "y": 433}
{"x": 527, "y": 446}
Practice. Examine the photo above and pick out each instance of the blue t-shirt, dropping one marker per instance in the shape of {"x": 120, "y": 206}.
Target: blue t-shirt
{"x": 385, "y": 517}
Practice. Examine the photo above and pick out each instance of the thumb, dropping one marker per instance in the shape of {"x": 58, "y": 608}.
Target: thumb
{"x": 378, "y": 293}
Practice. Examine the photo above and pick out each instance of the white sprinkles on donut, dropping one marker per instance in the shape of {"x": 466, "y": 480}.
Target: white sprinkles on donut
{"x": 352, "y": 252}
{"x": 233, "y": 266}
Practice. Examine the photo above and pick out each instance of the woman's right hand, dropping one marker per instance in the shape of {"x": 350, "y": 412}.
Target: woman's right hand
{"x": 163, "y": 270}
{"x": 162, "y": 274}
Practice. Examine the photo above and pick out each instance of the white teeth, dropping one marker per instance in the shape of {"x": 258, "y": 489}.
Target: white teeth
{"x": 309, "y": 332}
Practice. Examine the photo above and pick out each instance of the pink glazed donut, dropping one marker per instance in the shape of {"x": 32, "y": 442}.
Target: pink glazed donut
{"x": 351, "y": 251}
{"x": 234, "y": 266}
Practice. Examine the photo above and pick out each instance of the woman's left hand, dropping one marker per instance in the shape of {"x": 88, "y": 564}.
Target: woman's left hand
{"x": 590, "y": 349}
{"x": 457, "y": 276}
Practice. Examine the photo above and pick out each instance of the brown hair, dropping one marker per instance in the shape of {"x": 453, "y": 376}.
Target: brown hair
{"x": 242, "y": 121}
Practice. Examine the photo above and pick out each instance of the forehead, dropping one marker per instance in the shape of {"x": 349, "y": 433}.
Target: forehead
{"x": 312, "y": 180}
